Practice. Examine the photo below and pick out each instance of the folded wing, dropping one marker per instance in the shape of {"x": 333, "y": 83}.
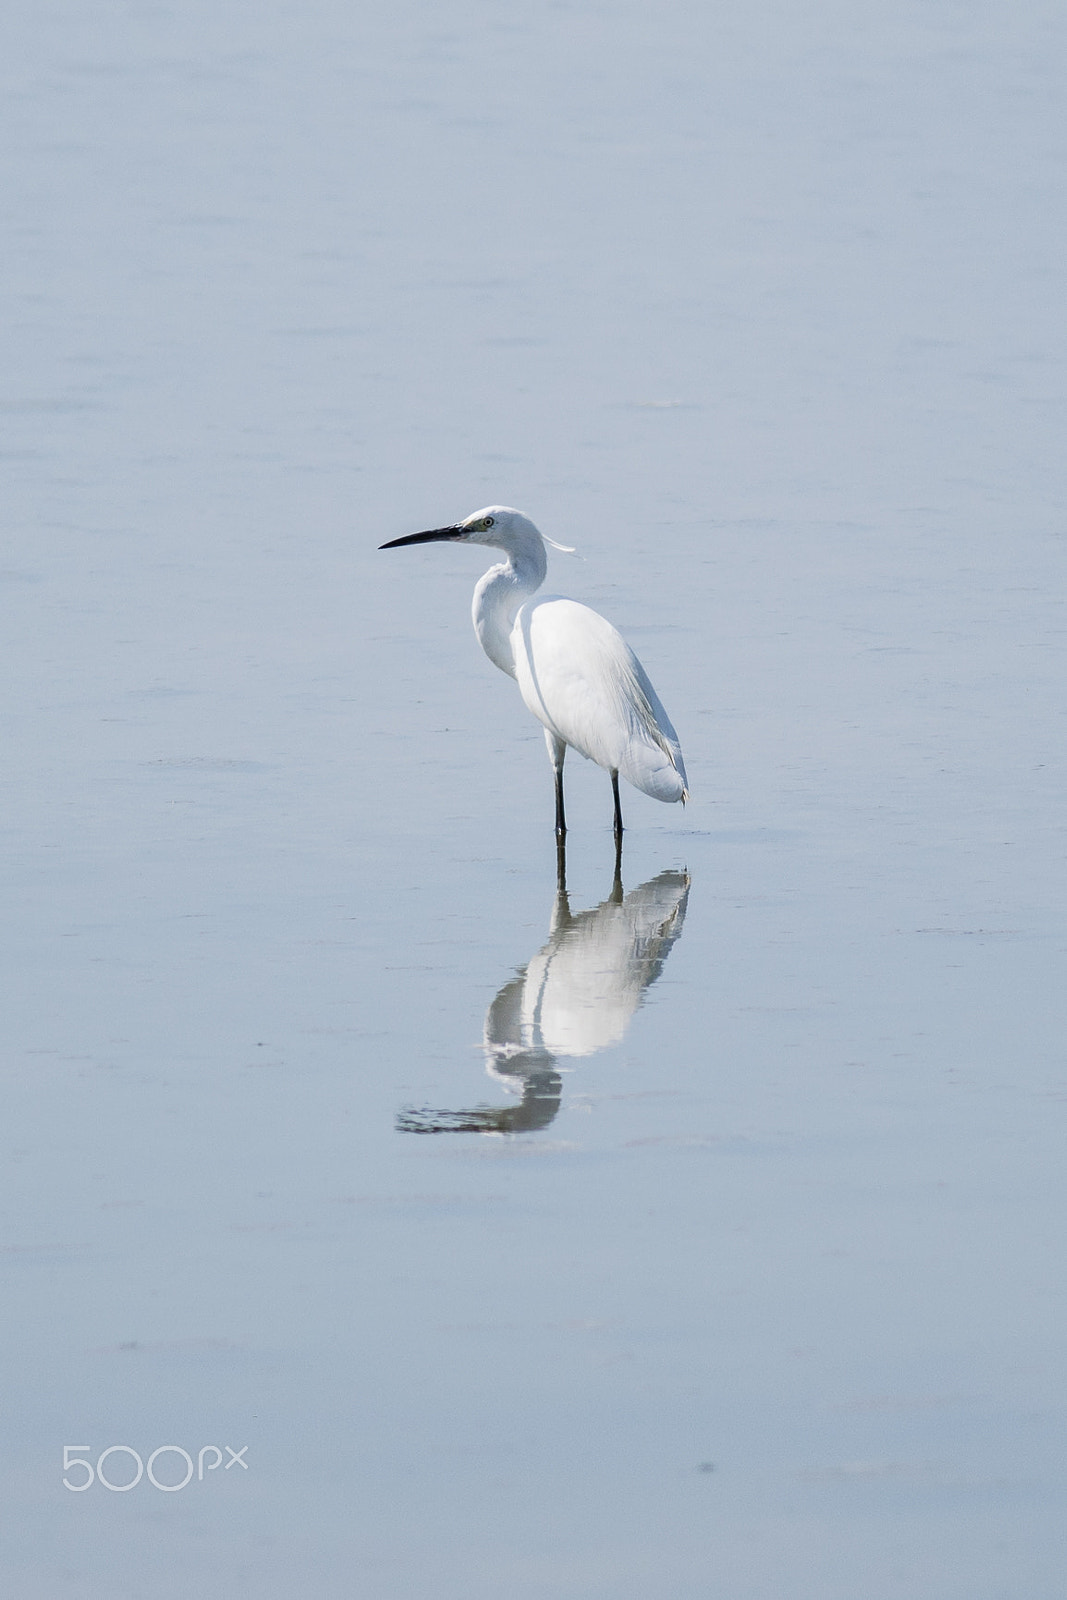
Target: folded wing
{"x": 578, "y": 675}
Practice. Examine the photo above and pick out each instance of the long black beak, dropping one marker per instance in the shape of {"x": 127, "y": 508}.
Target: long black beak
{"x": 455, "y": 532}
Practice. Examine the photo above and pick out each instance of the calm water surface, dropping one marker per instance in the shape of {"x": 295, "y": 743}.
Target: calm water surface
{"x": 697, "y": 1231}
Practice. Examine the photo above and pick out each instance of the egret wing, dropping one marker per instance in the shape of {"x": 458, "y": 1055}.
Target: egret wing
{"x": 578, "y": 675}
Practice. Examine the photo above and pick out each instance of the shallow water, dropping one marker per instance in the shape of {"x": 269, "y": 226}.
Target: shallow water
{"x": 734, "y": 1264}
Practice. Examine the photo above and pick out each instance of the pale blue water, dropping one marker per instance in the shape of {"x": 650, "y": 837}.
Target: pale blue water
{"x": 734, "y": 1262}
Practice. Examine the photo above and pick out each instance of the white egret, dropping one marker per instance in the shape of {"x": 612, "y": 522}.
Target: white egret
{"x": 575, "y": 672}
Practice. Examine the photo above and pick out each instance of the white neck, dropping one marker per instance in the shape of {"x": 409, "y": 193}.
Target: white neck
{"x": 500, "y": 593}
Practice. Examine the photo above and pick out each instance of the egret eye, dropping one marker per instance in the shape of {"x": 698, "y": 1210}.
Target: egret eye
{"x": 488, "y": 523}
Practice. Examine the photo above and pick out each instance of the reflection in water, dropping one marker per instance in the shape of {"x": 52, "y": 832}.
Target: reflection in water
{"x": 575, "y": 997}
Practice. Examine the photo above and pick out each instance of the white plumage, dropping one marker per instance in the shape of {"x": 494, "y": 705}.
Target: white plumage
{"x": 578, "y": 675}
{"x": 575, "y": 672}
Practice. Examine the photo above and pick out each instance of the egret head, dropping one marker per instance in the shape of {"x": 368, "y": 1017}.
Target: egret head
{"x": 502, "y": 527}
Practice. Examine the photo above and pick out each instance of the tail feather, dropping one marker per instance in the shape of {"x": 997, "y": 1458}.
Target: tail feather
{"x": 653, "y": 762}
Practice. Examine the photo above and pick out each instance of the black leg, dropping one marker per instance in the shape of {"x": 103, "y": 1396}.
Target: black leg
{"x": 618, "y": 809}
{"x": 561, "y": 865}
{"x": 561, "y": 821}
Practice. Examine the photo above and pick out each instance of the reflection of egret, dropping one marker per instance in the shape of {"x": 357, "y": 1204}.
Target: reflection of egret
{"x": 575, "y": 997}
{"x": 576, "y": 674}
